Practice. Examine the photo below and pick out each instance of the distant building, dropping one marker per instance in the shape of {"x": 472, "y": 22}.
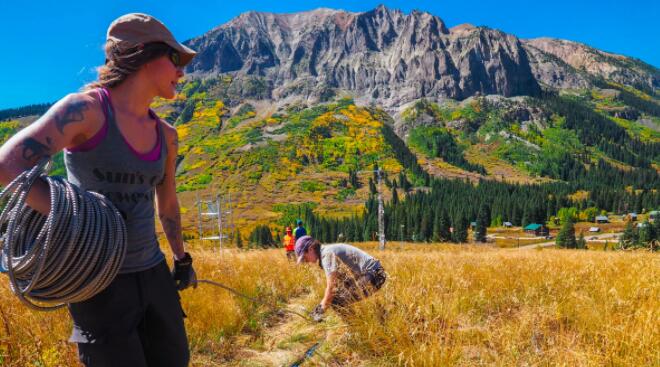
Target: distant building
{"x": 594, "y": 229}
{"x": 602, "y": 219}
{"x": 632, "y": 217}
{"x": 508, "y": 224}
{"x": 537, "y": 229}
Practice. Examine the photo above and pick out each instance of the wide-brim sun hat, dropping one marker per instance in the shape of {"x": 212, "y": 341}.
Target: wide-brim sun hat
{"x": 302, "y": 244}
{"x": 136, "y": 29}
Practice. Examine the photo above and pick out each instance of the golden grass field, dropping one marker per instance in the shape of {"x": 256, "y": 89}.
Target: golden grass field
{"x": 442, "y": 305}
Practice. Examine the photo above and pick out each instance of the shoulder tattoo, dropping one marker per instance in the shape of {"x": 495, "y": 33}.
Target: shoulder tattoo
{"x": 74, "y": 112}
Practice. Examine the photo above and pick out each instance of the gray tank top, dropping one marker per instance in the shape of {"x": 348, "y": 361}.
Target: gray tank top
{"x": 107, "y": 164}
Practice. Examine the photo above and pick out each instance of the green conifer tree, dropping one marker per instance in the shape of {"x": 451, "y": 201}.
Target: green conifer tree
{"x": 239, "y": 240}
{"x": 435, "y": 237}
{"x": 460, "y": 234}
{"x": 628, "y": 238}
{"x": 482, "y": 224}
{"x": 566, "y": 235}
{"x": 646, "y": 234}
{"x": 445, "y": 233}
{"x": 395, "y": 196}
{"x": 581, "y": 243}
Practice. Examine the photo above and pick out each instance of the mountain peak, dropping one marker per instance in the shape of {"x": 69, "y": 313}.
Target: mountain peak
{"x": 390, "y": 58}
{"x": 462, "y": 28}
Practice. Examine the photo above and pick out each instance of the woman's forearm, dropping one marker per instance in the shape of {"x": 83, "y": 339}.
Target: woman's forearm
{"x": 329, "y": 291}
{"x": 171, "y": 221}
{"x": 327, "y": 298}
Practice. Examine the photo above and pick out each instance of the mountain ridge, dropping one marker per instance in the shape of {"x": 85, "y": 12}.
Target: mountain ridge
{"x": 391, "y": 58}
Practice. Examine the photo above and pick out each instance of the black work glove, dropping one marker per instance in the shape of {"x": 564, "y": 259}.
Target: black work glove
{"x": 317, "y": 313}
{"x": 183, "y": 273}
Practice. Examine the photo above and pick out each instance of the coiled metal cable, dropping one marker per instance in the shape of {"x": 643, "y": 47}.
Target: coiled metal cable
{"x": 66, "y": 257}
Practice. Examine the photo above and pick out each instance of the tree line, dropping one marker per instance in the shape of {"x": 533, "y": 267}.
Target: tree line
{"x": 594, "y": 129}
{"x": 445, "y": 210}
{"x": 645, "y": 235}
{"x": 29, "y": 110}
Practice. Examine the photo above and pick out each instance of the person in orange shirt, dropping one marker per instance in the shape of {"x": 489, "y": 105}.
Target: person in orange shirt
{"x": 289, "y": 244}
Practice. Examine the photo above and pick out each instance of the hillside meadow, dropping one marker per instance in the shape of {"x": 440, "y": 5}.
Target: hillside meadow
{"x": 442, "y": 305}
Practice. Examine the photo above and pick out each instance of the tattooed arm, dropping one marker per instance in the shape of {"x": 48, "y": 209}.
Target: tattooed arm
{"x": 68, "y": 123}
{"x": 166, "y": 200}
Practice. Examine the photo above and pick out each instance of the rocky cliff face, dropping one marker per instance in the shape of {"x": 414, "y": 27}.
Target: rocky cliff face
{"x": 553, "y": 72}
{"x": 383, "y": 55}
{"x": 390, "y": 58}
{"x": 597, "y": 63}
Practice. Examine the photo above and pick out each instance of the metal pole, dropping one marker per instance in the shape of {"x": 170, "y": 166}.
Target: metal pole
{"x": 231, "y": 217}
{"x": 381, "y": 213}
{"x": 381, "y": 209}
{"x": 199, "y": 217}
{"x": 218, "y": 203}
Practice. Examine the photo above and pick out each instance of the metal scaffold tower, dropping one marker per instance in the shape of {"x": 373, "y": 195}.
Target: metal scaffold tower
{"x": 215, "y": 221}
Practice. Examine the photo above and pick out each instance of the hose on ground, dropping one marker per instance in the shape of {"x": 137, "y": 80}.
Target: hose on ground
{"x": 68, "y": 256}
{"x": 308, "y": 353}
{"x": 252, "y": 299}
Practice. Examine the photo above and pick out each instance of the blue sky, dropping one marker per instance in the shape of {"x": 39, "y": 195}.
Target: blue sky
{"x": 52, "y": 47}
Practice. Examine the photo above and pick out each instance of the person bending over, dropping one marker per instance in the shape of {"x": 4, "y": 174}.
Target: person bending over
{"x": 351, "y": 274}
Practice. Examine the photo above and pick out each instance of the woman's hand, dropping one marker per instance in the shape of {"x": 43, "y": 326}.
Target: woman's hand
{"x": 317, "y": 313}
{"x": 184, "y": 274}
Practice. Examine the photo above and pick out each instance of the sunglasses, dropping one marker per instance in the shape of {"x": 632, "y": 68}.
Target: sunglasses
{"x": 175, "y": 57}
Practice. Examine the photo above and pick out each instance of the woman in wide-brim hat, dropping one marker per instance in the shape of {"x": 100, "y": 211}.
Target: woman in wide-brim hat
{"x": 116, "y": 145}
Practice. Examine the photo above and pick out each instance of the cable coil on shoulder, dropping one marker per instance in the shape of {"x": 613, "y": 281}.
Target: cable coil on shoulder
{"x": 68, "y": 256}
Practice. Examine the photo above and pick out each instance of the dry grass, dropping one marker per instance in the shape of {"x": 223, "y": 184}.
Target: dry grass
{"x": 215, "y": 317}
{"x": 502, "y": 307}
{"x": 612, "y": 227}
{"x": 442, "y": 305}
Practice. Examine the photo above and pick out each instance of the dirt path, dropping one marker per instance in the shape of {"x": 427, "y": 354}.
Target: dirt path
{"x": 597, "y": 238}
{"x": 285, "y": 341}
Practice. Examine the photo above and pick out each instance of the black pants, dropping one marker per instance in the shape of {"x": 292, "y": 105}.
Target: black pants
{"x": 136, "y": 322}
